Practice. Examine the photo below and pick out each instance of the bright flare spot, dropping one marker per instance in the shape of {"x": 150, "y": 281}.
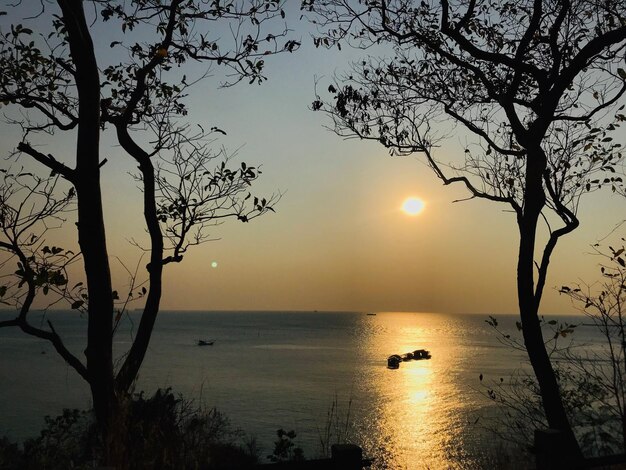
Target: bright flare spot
{"x": 214, "y": 264}
{"x": 413, "y": 206}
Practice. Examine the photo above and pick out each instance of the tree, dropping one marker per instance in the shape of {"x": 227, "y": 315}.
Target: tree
{"x": 58, "y": 82}
{"x": 591, "y": 372}
{"x": 535, "y": 86}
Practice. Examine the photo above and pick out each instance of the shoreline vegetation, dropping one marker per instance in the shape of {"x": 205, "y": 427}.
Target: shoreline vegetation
{"x": 170, "y": 432}
{"x": 165, "y": 430}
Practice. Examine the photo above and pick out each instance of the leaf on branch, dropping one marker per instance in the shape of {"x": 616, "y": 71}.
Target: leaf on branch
{"x": 216, "y": 129}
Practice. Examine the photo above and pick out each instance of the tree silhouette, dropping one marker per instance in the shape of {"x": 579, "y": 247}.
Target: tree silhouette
{"x": 56, "y": 82}
{"x": 534, "y": 84}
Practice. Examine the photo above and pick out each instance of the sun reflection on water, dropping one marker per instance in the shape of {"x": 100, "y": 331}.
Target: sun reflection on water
{"x": 415, "y": 422}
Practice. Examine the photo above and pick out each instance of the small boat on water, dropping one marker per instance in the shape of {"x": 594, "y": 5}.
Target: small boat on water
{"x": 202, "y": 342}
{"x": 371, "y": 314}
{"x": 421, "y": 354}
{"x": 393, "y": 361}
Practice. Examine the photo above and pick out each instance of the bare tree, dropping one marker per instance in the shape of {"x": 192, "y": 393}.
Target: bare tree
{"x": 534, "y": 84}
{"x": 54, "y": 83}
{"x": 29, "y": 207}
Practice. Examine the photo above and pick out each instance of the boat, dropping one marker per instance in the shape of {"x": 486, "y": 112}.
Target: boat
{"x": 393, "y": 361}
{"x": 371, "y": 314}
{"x": 202, "y": 342}
{"x": 421, "y": 354}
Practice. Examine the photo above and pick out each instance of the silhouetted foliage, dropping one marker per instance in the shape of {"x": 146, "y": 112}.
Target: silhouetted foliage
{"x": 285, "y": 448}
{"x": 11, "y": 456}
{"x": 588, "y": 386}
{"x": 536, "y": 87}
{"x": 591, "y": 376}
{"x": 337, "y": 429}
{"x": 519, "y": 411}
{"x": 603, "y": 304}
{"x": 56, "y": 83}
{"x": 164, "y": 431}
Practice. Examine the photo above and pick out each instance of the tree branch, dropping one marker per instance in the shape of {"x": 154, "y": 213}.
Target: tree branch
{"x": 49, "y": 161}
{"x": 571, "y": 223}
{"x": 470, "y": 187}
{"x": 481, "y": 133}
{"x": 596, "y": 110}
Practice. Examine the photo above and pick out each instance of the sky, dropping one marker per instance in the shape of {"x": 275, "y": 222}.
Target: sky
{"x": 338, "y": 240}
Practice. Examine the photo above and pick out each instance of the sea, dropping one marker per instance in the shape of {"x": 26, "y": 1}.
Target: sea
{"x": 316, "y": 373}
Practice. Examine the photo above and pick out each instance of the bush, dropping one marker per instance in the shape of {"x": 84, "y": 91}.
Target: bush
{"x": 285, "y": 448}
{"x": 162, "y": 431}
{"x": 11, "y": 456}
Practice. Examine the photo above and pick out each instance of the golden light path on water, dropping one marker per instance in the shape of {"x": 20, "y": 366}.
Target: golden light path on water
{"x": 417, "y": 421}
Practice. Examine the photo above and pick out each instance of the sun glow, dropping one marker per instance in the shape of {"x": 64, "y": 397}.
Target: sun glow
{"x": 413, "y": 206}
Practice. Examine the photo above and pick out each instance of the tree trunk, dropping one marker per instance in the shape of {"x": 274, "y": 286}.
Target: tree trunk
{"x": 534, "y": 200}
{"x": 91, "y": 234}
{"x": 129, "y": 370}
{"x": 623, "y": 430}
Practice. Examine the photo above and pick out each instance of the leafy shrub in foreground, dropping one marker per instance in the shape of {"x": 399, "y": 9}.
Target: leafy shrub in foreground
{"x": 162, "y": 431}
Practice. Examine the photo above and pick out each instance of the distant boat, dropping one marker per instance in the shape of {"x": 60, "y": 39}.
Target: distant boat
{"x": 202, "y": 342}
{"x": 371, "y": 314}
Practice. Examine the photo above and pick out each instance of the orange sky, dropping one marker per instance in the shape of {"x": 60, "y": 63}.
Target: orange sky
{"x": 339, "y": 240}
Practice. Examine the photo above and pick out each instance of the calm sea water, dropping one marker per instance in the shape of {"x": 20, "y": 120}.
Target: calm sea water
{"x": 270, "y": 370}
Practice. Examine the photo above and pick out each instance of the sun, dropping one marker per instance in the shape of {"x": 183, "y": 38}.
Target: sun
{"x": 413, "y": 206}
